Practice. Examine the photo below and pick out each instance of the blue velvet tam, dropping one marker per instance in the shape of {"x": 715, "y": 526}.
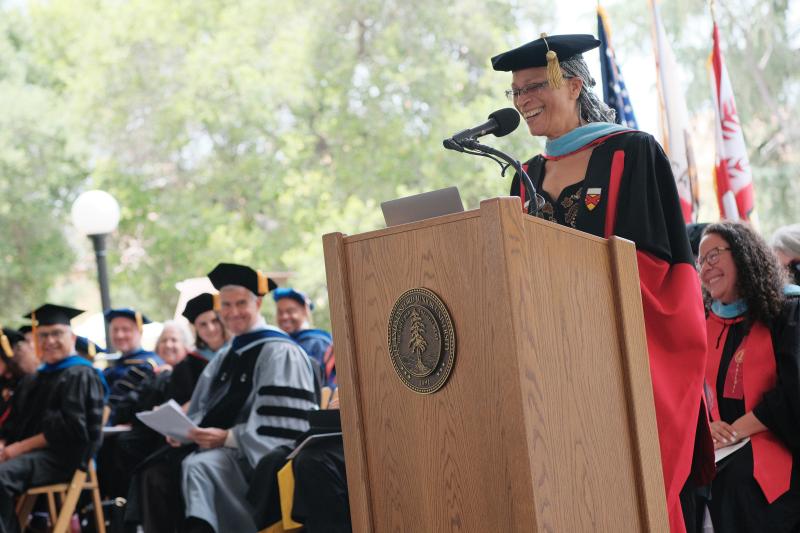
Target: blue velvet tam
{"x": 297, "y": 296}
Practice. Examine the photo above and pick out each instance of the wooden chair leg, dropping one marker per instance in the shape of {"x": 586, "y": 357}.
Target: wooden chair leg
{"x": 98, "y": 503}
{"x": 24, "y": 508}
{"x": 51, "y": 507}
{"x": 73, "y": 493}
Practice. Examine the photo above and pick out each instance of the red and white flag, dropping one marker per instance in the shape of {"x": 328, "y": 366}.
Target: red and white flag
{"x": 674, "y": 119}
{"x": 732, "y": 175}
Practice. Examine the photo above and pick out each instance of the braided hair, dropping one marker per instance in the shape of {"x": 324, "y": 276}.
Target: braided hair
{"x": 590, "y": 107}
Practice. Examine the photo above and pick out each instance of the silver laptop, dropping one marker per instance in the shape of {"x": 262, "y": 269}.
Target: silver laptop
{"x": 422, "y": 206}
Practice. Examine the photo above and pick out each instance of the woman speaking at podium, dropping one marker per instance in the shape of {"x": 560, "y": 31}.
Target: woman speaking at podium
{"x": 604, "y": 179}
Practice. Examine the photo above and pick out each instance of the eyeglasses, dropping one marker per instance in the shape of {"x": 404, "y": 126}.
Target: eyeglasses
{"x": 712, "y": 257}
{"x": 533, "y": 88}
{"x": 56, "y": 334}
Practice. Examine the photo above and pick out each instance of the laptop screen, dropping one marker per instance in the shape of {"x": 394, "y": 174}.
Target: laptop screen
{"x": 422, "y": 206}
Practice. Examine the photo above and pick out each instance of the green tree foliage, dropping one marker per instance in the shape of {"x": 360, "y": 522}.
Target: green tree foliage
{"x": 244, "y": 130}
{"x": 39, "y": 160}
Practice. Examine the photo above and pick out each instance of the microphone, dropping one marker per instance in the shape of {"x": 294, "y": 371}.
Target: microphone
{"x": 500, "y": 123}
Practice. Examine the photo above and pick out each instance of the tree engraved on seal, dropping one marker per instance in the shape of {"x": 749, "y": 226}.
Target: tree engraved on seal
{"x": 421, "y": 340}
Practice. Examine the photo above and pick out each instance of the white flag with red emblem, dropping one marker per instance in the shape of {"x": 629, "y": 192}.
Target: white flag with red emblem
{"x": 732, "y": 176}
{"x": 674, "y": 119}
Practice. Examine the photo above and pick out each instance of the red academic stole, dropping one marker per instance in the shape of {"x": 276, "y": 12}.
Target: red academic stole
{"x": 757, "y": 373}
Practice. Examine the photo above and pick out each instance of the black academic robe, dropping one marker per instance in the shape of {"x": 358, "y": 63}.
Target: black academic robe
{"x": 629, "y": 191}
{"x": 126, "y": 375}
{"x": 123, "y": 452}
{"x": 185, "y": 376}
{"x": 67, "y": 407}
{"x": 757, "y": 368}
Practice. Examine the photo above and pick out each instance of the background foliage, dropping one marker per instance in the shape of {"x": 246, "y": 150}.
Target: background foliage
{"x": 244, "y": 130}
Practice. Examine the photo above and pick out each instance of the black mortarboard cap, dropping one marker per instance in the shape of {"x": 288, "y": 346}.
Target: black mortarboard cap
{"x": 51, "y": 314}
{"x": 231, "y": 274}
{"x": 8, "y": 339}
{"x": 87, "y": 347}
{"x": 130, "y": 314}
{"x": 199, "y": 305}
{"x": 695, "y": 232}
{"x": 27, "y": 328}
{"x": 534, "y": 53}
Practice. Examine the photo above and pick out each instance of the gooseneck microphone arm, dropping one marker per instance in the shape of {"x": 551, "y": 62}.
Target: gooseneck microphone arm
{"x": 472, "y": 146}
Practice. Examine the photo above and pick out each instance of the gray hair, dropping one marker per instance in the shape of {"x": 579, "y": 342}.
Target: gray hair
{"x": 787, "y": 238}
{"x": 183, "y": 333}
{"x": 590, "y": 107}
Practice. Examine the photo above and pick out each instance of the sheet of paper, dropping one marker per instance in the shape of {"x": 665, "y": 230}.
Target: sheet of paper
{"x": 169, "y": 420}
{"x": 722, "y": 453}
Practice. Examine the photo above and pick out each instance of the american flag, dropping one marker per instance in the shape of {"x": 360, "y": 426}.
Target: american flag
{"x": 615, "y": 94}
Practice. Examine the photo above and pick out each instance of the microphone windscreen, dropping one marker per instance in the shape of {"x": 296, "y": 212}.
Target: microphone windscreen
{"x": 507, "y": 121}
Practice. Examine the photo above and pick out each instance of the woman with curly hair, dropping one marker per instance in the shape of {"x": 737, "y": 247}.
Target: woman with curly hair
{"x": 753, "y": 381}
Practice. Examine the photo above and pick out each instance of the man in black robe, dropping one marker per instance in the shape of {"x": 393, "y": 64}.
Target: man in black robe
{"x": 57, "y": 427}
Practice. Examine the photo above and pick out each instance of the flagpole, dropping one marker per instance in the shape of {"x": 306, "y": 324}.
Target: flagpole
{"x": 662, "y": 113}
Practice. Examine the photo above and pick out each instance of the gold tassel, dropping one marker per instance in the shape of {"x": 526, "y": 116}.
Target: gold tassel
{"x": 92, "y": 350}
{"x": 6, "y": 345}
{"x": 215, "y": 298}
{"x": 34, "y": 326}
{"x": 139, "y": 321}
{"x": 555, "y": 78}
{"x": 263, "y": 286}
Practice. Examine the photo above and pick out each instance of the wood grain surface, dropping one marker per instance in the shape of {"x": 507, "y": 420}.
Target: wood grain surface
{"x": 536, "y": 429}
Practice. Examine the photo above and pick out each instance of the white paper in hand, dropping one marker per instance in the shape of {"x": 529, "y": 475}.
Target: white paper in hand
{"x": 722, "y": 453}
{"x": 169, "y": 420}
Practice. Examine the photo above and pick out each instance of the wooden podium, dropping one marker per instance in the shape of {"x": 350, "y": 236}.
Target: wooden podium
{"x": 547, "y": 420}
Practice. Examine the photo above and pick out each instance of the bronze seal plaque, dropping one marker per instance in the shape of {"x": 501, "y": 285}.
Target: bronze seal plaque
{"x": 422, "y": 340}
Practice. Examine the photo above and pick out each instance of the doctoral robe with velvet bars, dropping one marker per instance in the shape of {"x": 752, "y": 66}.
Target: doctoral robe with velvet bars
{"x": 261, "y": 391}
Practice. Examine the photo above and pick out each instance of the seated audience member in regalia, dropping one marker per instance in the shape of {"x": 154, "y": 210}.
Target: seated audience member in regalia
{"x": 57, "y": 427}
{"x": 134, "y": 364}
{"x": 19, "y": 363}
{"x": 786, "y": 243}
{"x": 293, "y": 314}
{"x": 121, "y": 453}
{"x": 248, "y": 400}
{"x": 753, "y": 380}
{"x": 211, "y": 338}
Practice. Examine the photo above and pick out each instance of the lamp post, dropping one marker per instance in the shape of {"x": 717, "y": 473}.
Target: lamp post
{"x": 96, "y": 214}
